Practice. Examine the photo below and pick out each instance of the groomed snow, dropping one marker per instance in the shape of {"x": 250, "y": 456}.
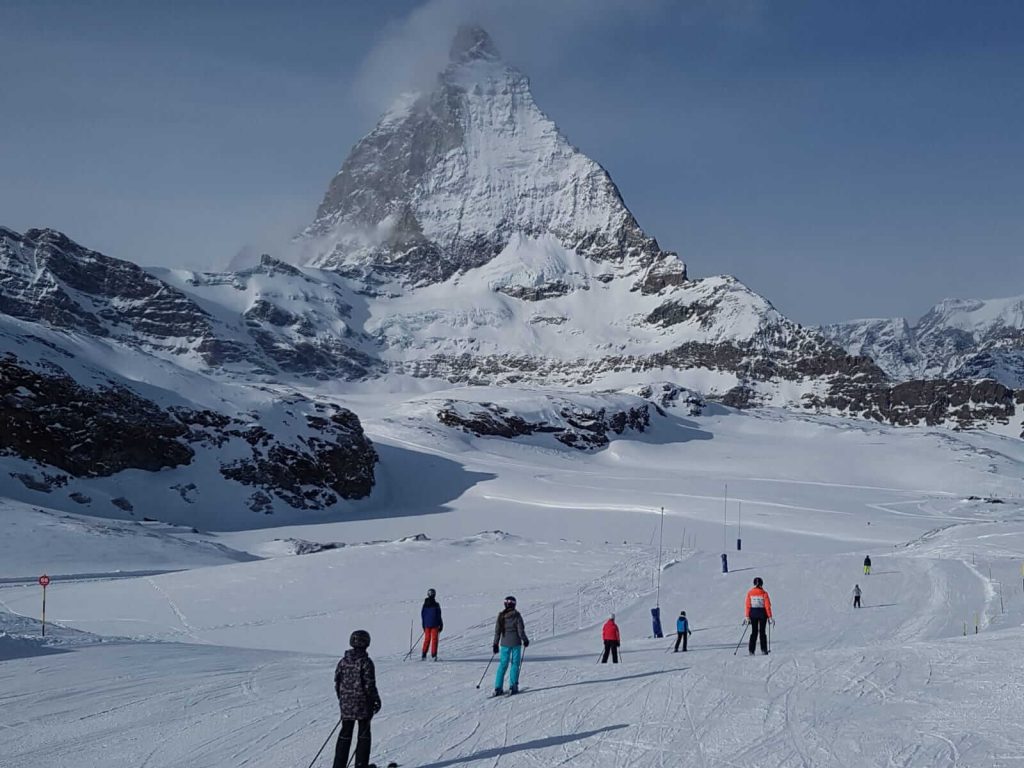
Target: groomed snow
{"x": 232, "y": 665}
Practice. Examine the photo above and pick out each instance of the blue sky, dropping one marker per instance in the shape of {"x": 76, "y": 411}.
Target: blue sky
{"x": 845, "y": 159}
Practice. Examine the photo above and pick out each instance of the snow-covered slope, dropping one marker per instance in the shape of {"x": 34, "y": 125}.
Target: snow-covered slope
{"x": 105, "y": 428}
{"x": 241, "y": 668}
{"x": 958, "y": 338}
{"x": 77, "y": 547}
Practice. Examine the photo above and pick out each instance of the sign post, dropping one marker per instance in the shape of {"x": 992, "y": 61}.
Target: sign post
{"x": 44, "y": 582}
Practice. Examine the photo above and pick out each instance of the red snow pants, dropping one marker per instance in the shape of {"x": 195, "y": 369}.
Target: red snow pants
{"x": 430, "y": 638}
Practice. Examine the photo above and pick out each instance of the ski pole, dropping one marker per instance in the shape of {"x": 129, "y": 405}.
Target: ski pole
{"x": 325, "y": 742}
{"x": 485, "y": 671}
{"x": 413, "y": 646}
{"x": 770, "y": 622}
{"x": 745, "y": 628}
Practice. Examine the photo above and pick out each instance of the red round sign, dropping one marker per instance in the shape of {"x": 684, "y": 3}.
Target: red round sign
{"x": 44, "y": 580}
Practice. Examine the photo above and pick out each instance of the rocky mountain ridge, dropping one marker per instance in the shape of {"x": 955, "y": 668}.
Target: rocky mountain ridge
{"x": 449, "y": 178}
{"x": 464, "y": 241}
{"x": 957, "y": 338}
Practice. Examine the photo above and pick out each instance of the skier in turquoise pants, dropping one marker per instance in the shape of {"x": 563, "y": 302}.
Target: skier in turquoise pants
{"x": 510, "y": 639}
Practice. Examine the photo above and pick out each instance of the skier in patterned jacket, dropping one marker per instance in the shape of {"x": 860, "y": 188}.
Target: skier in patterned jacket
{"x": 355, "y": 683}
{"x": 510, "y": 639}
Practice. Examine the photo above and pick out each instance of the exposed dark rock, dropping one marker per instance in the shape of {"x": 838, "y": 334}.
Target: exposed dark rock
{"x": 485, "y": 419}
{"x": 84, "y": 432}
{"x": 79, "y": 498}
{"x": 270, "y": 313}
{"x": 43, "y": 482}
{"x": 122, "y": 503}
{"x": 336, "y": 462}
{"x": 668, "y": 395}
{"x": 740, "y": 397}
{"x": 535, "y": 292}
{"x": 582, "y": 427}
{"x": 930, "y": 402}
{"x": 674, "y": 312}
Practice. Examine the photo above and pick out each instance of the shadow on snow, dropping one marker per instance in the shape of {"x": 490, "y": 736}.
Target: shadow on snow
{"x": 412, "y": 483}
{"x": 550, "y": 741}
{"x": 623, "y": 678}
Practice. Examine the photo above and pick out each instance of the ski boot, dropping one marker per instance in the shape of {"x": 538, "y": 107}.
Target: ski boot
{"x": 497, "y": 692}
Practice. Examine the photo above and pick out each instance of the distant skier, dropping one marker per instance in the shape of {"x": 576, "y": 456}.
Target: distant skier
{"x": 432, "y": 624}
{"x": 867, "y": 565}
{"x": 510, "y": 639}
{"x": 758, "y": 614}
{"x": 612, "y": 638}
{"x": 856, "y": 595}
{"x": 355, "y": 684}
{"x": 682, "y": 631}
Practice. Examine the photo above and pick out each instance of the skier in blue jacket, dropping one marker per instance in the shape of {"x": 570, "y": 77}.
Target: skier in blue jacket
{"x": 433, "y": 625}
{"x": 682, "y": 630}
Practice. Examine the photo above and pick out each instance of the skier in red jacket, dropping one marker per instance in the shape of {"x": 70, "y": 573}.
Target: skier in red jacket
{"x": 610, "y": 635}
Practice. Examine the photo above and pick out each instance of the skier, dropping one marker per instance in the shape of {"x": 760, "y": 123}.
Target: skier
{"x": 856, "y": 595}
{"x": 759, "y": 613}
{"x": 356, "y": 687}
{"x": 611, "y": 637}
{"x": 867, "y": 565}
{"x": 432, "y": 624}
{"x": 682, "y": 631}
{"x": 510, "y": 638}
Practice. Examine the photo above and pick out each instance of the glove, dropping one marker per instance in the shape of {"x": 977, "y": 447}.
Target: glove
{"x": 526, "y": 643}
{"x": 746, "y": 621}
{"x": 772, "y": 622}
{"x": 440, "y": 629}
{"x": 494, "y": 648}
{"x": 376, "y": 706}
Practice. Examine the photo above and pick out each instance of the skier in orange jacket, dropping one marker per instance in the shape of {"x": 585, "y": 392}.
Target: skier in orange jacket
{"x": 758, "y": 614}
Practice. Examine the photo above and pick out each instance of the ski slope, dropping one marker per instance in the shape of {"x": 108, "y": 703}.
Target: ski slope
{"x": 231, "y": 663}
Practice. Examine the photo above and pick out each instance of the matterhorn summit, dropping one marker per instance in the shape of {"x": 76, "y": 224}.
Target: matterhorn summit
{"x": 451, "y": 178}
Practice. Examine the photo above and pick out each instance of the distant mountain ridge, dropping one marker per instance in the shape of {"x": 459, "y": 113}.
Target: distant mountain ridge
{"x": 957, "y": 338}
{"x": 464, "y": 241}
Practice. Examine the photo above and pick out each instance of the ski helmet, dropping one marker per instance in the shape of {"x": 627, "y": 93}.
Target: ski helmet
{"x": 510, "y": 602}
{"x": 758, "y": 581}
{"x": 360, "y": 639}
{"x": 682, "y": 613}
{"x": 431, "y": 592}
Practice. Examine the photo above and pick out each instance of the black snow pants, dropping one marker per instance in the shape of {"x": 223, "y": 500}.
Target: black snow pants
{"x": 758, "y": 628}
{"x": 856, "y": 601}
{"x": 345, "y": 743}
{"x": 681, "y": 636}
{"x": 612, "y": 647}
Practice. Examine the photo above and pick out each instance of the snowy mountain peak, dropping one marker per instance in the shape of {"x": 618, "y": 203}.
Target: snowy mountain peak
{"x": 961, "y": 338}
{"x": 449, "y": 178}
{"x": 472, "y": 42}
